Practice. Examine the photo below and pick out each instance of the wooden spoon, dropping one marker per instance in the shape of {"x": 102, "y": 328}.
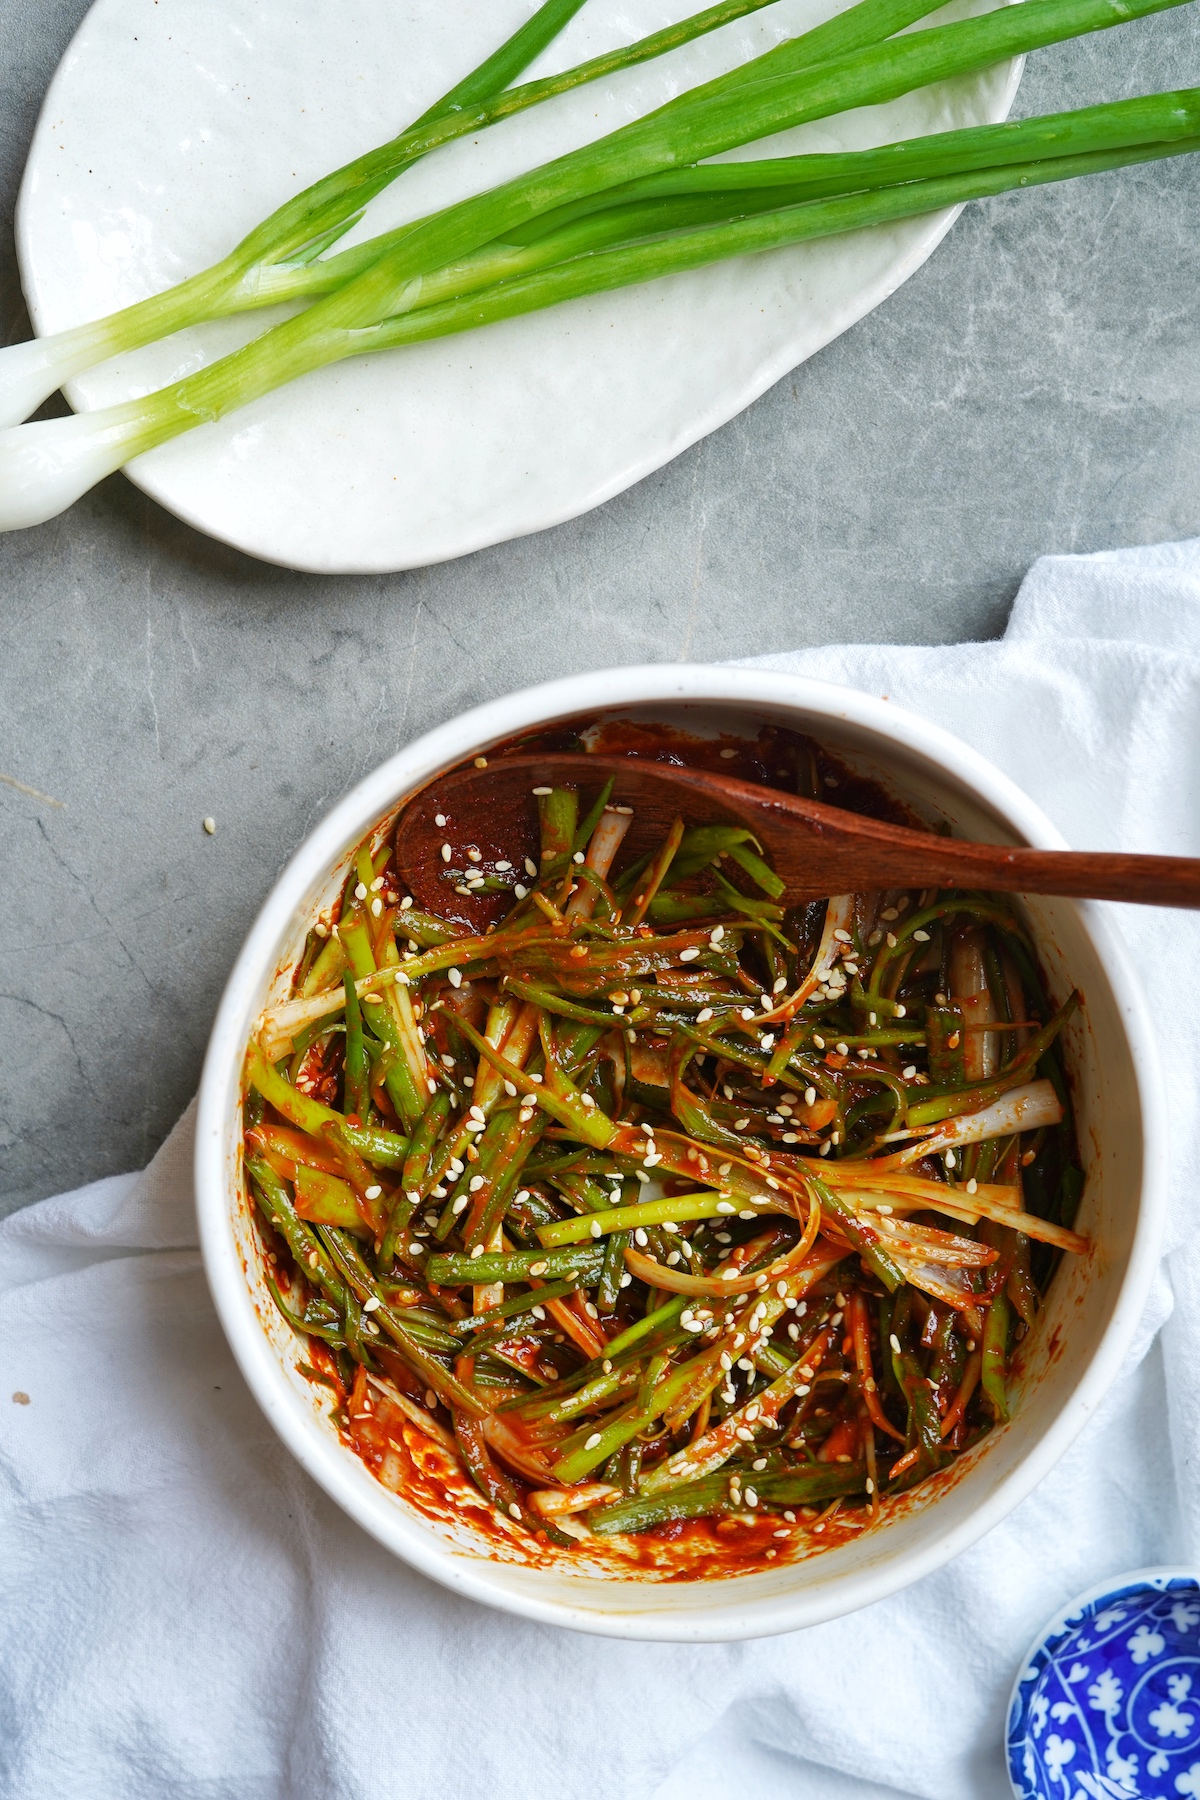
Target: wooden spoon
{"x": 816, "y": 850}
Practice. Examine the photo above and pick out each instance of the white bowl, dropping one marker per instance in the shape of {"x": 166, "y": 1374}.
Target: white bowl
{"x": 1093, "y": 1304}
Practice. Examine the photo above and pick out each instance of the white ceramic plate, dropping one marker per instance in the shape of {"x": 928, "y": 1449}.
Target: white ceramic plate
{"x": 173, "y": 126}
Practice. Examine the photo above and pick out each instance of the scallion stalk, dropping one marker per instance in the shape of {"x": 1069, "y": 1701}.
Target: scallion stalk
{"x": 44, "y": 467}
{"x": 284, "y": 255}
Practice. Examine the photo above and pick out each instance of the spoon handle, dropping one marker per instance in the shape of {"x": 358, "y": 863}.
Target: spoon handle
{"x": 943, "y": 862}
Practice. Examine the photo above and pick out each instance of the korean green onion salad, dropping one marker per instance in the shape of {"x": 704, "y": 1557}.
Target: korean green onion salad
{"x": 626, "y": 1206}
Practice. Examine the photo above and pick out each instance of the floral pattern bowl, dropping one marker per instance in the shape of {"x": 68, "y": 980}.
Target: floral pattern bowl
{"x": 1107, "y": 1703}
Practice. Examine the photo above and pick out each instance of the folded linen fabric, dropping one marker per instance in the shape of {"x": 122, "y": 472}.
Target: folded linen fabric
{"x": 183, "y": 1612}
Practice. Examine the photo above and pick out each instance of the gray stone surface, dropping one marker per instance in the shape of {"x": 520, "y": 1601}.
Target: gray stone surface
{"x": 1033, "y": 388}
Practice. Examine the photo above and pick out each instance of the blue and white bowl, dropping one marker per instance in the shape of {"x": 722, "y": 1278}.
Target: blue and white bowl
{"x": 1107, "y": 1703}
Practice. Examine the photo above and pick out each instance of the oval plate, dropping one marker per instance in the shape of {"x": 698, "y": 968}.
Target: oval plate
{"x": 171, "y": 128}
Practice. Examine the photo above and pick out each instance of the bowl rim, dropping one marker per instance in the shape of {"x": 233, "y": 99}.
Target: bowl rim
{"x": 469, "y": 733}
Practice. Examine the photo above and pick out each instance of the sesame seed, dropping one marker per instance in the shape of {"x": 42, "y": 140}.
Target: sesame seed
{"x": 543, "y": 790}
{"x": 704, "y": 1015}
{"x": 891, "y": 940}
{"x": 951, "y": 1159}
{"x": 746, "y": 1436}
{"x": 818, "y": 1041}
{"x": 373, "y": 1192}
{"x": 909, "y": 1072}
{"x": 690, "y": 954}
{"x": 901, "y": 1012}
{"x": 920, "y": 937}
{"x": 972, "y": 1186}
{"x": 520, "y": 890}
{"x": 481, "y": 762}
{"x": 476, "y": 1252}
{"x": 373, "y": 999}
{"x": 591, "y": 1442}
{"x": 370, "y": 1305}
{"x": 640, "y": 1238}
{"x": 843, "y": 1049}
{"x": 728, "y": 755}
{"x": 751, "y": 1497}
{"x": 454, "y": 976}
{"x": 894, "y": 1341}
{"x": 578, "y": 857}
{"x": 210, "y": 825}
{"x": 321, "y": 929}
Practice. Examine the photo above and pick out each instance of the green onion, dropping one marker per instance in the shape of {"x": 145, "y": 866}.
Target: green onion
{"x": 816, "y": 1385}
{"x": 401, "y": 299}
{"x": 283, "y": 257}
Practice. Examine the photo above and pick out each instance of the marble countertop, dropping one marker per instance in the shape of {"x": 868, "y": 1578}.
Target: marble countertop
{"x": 1034, "y": 388}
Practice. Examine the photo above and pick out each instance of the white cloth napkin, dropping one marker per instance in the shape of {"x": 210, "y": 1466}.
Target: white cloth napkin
{"x": 184, "y": 1613}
